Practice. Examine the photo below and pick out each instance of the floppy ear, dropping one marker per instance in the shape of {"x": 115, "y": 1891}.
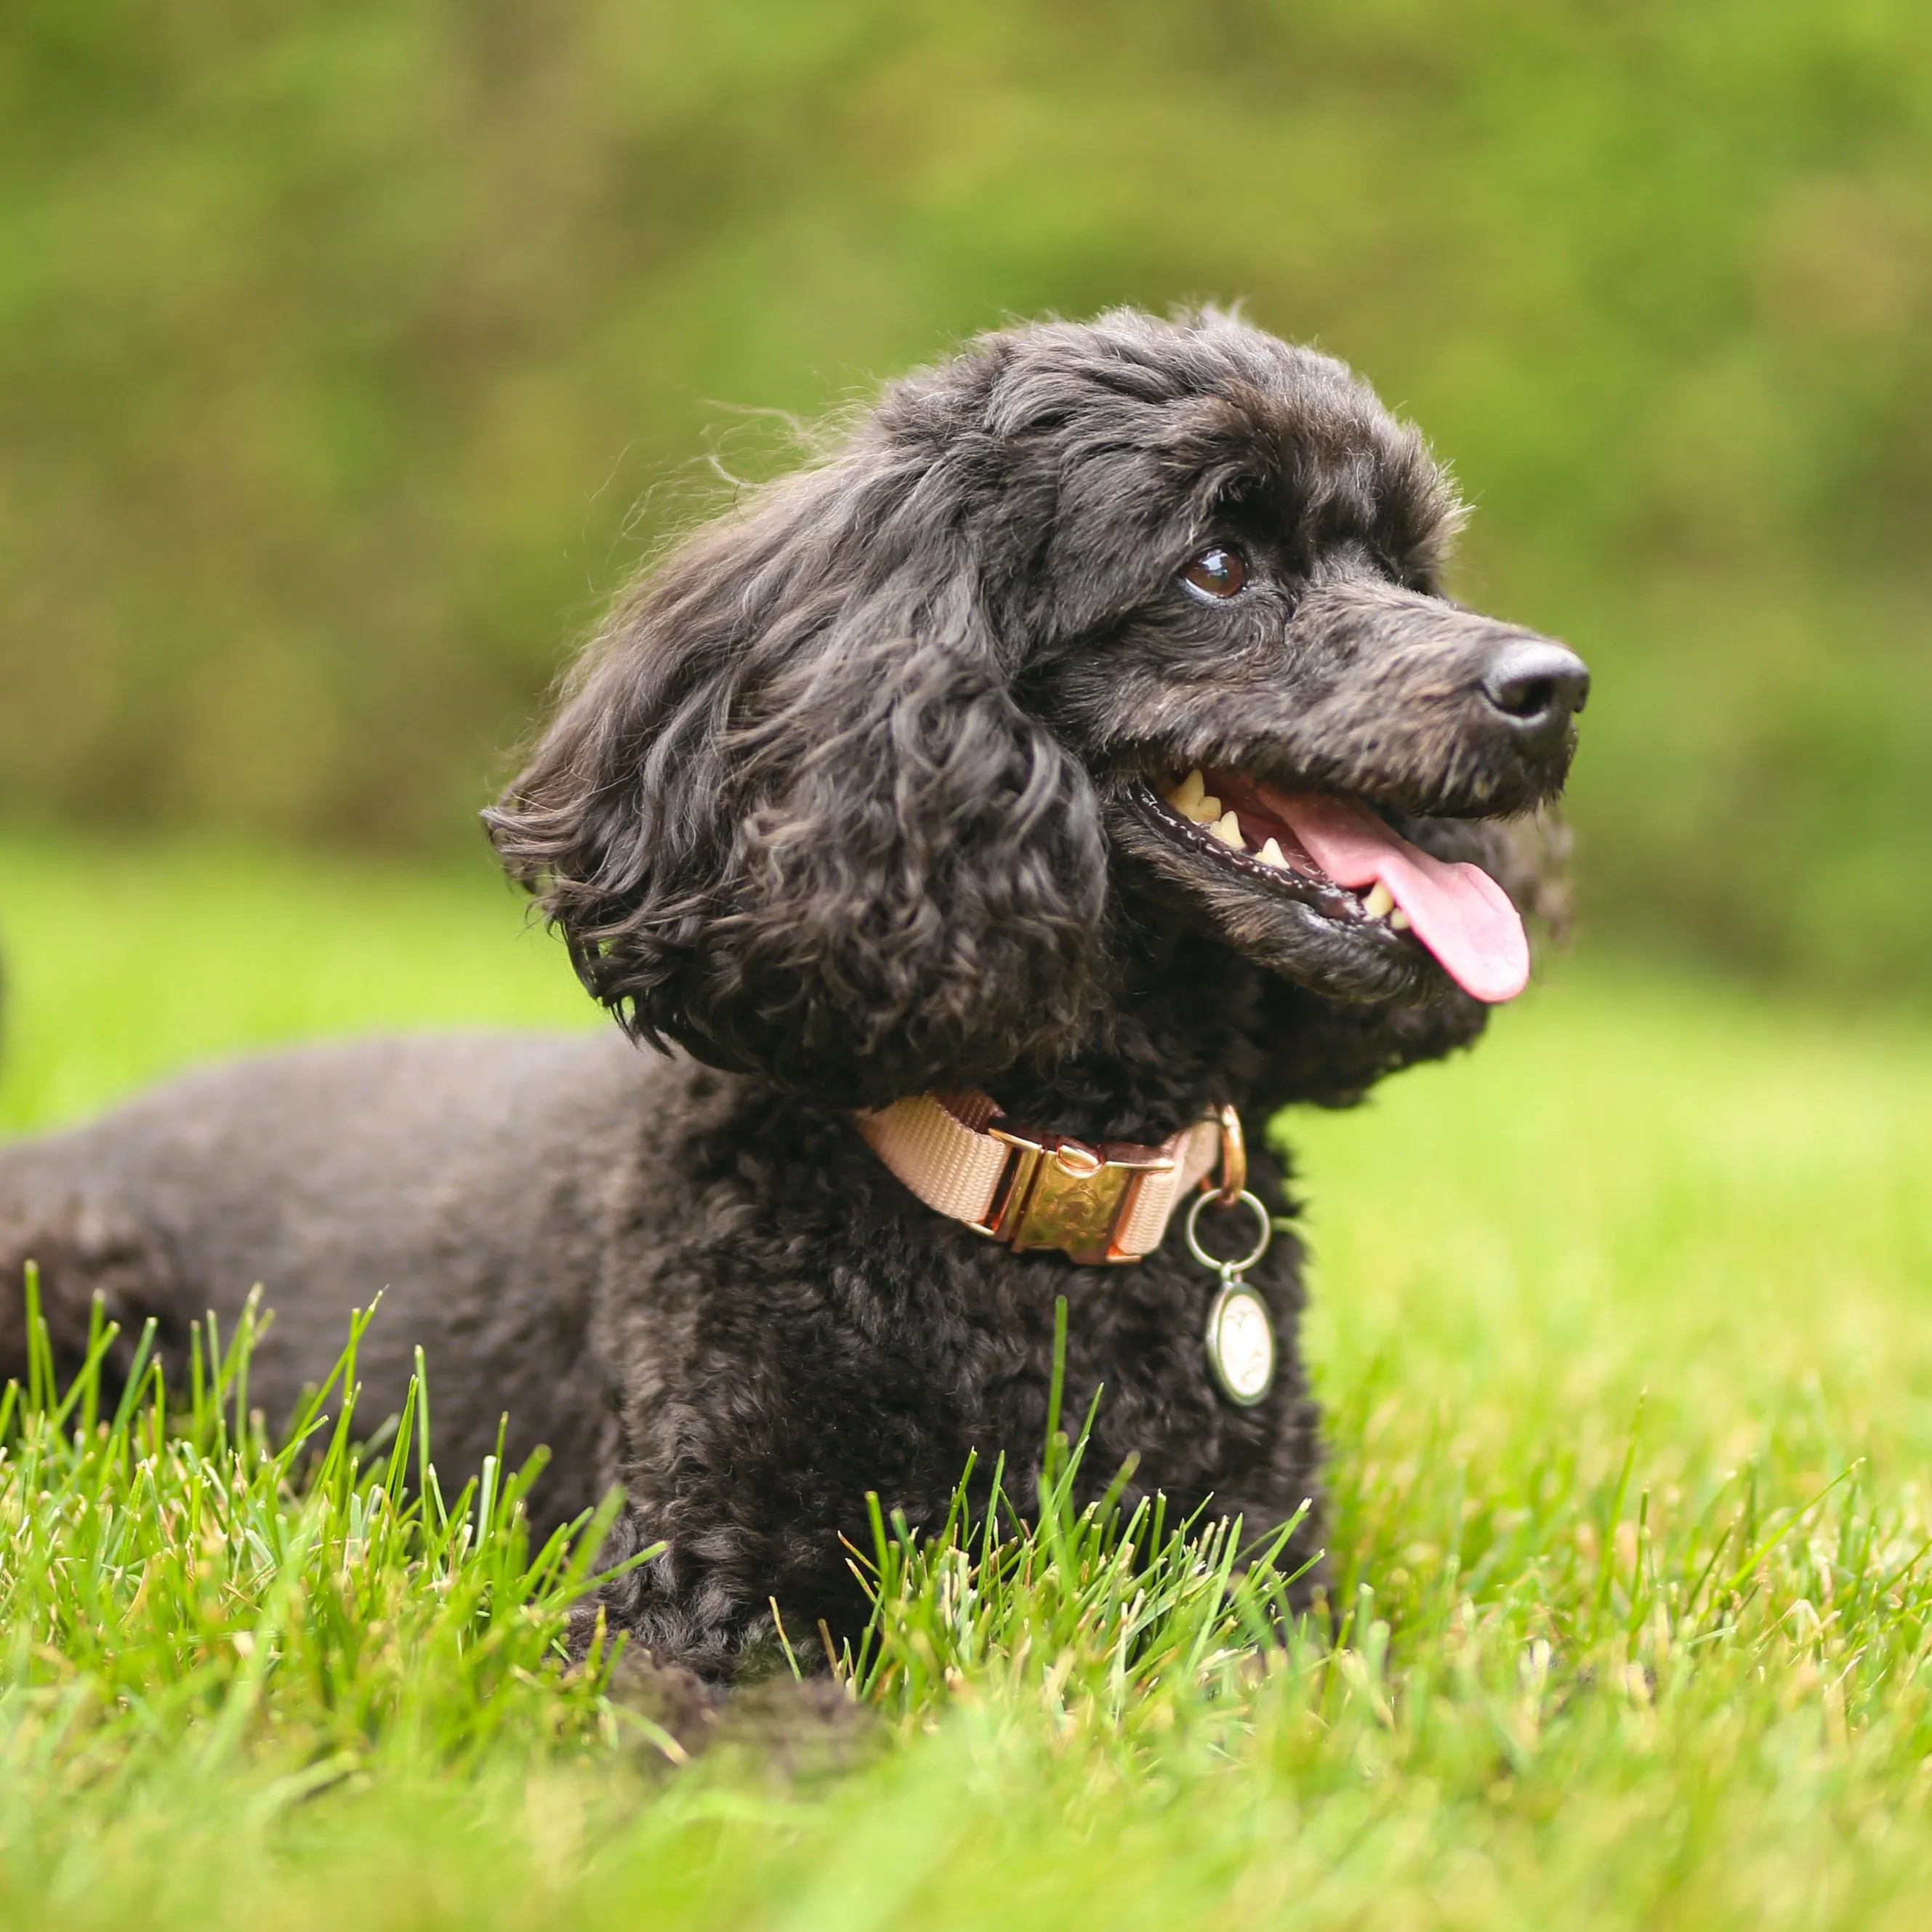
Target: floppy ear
{"x": 790, "y": 816}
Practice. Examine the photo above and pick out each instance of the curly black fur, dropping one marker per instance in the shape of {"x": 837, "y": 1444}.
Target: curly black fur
{"x": 858, "y": 794}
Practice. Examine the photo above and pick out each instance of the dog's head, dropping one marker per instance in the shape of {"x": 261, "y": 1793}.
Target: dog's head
{"x": 1094, "y": 636}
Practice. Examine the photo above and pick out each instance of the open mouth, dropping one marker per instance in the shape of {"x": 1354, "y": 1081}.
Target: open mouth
{"x": 1338, "y": 856}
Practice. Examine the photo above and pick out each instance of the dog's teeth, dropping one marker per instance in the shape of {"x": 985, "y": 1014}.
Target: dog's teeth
{"x": 1379, "y": 902}
{"x": 1399, "y": 920}
{"x": 1188, "y": 793}
{"x": 1197, "y": 801}
{"x": 1270, "y": 855}
{"x": 1191, "y": 799}
{"x": 1228, "y": 828}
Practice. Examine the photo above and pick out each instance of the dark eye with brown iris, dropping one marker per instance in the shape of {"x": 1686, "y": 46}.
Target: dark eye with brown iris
{"x": 1218, "y": 571}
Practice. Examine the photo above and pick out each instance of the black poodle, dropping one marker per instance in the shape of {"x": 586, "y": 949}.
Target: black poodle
{"x": 1088, "y": 732}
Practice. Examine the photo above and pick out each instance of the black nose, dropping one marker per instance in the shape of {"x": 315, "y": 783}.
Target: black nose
{"x": 1536, "y": 685}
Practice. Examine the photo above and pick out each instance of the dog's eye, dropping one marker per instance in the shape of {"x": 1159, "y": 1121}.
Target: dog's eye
{"x": 1218, "y": 571}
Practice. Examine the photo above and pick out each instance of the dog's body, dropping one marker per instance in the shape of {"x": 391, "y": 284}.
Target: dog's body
{"x": 862, "y": 796}
{"x": 575, "y": 1231}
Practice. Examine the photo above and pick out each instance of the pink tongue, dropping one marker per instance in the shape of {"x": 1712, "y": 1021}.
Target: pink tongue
{"x": 1458, "y": 912}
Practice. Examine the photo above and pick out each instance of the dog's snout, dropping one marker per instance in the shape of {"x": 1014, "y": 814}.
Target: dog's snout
{"x": 1536, "y": 685}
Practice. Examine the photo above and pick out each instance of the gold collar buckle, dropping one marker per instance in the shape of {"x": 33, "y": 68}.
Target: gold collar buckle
{"x": 1060, "y": 1193}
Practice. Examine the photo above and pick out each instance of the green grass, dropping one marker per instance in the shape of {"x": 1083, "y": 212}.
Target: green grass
{"x": 1624, "y": 1327}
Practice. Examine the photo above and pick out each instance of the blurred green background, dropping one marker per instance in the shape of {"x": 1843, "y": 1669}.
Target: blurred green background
{"x": 351, "y": 355}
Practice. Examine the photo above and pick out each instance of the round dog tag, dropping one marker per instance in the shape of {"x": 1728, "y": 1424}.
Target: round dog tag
{"x": 1240, "y": 1344}
{"x": 1240, "y": 1331}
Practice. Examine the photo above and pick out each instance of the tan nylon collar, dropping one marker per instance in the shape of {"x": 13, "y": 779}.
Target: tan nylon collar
{"x": 1107, "y": 1201}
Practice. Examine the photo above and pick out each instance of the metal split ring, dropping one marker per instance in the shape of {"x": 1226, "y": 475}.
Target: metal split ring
{"x": 1263, "y": 1219}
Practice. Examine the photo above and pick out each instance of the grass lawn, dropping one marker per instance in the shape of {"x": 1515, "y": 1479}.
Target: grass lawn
{"x": 1625, "y": 1328}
